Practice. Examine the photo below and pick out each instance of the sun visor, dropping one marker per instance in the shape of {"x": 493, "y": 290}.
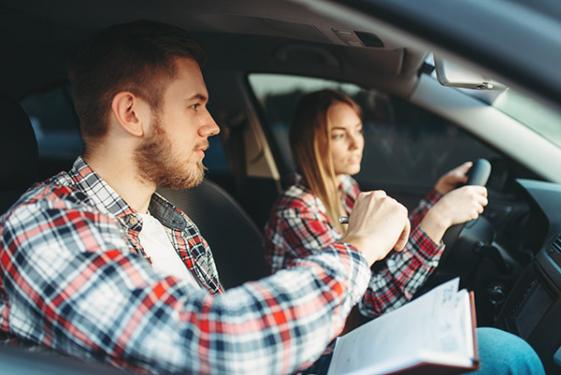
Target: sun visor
{"x": 317, "y": 58}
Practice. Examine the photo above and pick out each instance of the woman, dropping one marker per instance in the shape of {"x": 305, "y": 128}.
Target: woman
{"x": 327, "y": 142}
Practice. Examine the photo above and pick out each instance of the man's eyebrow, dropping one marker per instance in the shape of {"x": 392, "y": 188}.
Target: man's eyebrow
{"x": 200, "y": 97}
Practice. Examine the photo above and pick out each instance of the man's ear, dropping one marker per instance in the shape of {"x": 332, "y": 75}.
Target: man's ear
{"x": 131, "y": 113}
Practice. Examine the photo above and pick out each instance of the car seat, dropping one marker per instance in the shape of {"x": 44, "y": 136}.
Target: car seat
{"x": 18, "y": 168}
{"x": 236, "y": 242}
{"x": 18, "y": 153}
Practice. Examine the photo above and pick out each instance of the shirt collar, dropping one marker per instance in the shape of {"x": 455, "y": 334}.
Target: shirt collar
{"x": 102, "y": 195}
{"x": 346, "y": 184}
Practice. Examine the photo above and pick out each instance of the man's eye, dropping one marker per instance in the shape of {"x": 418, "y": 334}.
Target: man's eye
{"x": 195, "y": 106}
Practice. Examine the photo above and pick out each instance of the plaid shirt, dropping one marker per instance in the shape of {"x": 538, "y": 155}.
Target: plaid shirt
{"x": 74, "y": 277}
{"x": 299, "y": 227}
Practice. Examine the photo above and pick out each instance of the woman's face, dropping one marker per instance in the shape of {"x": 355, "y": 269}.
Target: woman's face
{"x": 347, "y": 140}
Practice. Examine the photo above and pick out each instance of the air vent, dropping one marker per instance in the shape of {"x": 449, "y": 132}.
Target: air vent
{"x": 556, "y": 246}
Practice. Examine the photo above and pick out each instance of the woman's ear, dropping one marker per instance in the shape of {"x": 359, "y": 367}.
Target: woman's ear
{"x": 131, "y": 113}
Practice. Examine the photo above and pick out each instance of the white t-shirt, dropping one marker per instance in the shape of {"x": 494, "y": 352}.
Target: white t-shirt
{"x": 157, "y": 245}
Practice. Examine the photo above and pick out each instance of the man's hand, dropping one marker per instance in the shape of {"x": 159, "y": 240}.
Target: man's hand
{"x": 456, "y": 207}
{"x": 377, "y": 225}
{"x": 453, "y": 178}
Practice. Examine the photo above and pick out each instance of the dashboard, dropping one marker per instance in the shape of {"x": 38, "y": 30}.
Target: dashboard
{"x": 532, "y": 309}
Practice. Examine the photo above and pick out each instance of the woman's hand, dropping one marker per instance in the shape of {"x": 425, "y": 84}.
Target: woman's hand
{"x": 456, "y": 207}
{"x": 453, "y": 178}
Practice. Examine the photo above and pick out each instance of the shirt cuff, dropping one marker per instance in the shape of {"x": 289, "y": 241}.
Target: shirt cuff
{"x": 361, "y": 267}
{"x": 424, "y": 245}
{"x": 433, "y": 196}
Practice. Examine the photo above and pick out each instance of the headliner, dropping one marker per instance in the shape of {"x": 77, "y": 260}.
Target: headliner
{"x": 246, "y": 35}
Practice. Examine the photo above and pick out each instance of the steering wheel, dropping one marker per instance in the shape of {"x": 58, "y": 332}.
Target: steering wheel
{"x": 477, "y": 175}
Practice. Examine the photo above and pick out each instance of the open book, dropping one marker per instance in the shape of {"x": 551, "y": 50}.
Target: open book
{"x": 431, "y": 335}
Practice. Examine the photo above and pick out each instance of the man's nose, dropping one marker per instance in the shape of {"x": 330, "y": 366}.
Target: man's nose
{"x": 209, "y": 128}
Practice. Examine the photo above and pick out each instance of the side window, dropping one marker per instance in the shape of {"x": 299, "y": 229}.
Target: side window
{"x": 405, "y": 146}
{"x": 279, "y": 95}
{"x": 215, "y": 158}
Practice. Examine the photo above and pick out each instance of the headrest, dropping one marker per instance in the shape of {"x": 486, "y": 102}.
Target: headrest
{"x": 18, "y": 147}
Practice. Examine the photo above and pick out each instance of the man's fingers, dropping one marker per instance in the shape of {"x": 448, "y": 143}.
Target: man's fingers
{"x": 373, "y": 194}
{"x": 404, "y": 237}
{"x": 379, "y": 193}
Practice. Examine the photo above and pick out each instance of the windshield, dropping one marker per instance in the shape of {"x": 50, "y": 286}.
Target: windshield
{"x": 531, "y": 113}
{"x": 536, "y": 116}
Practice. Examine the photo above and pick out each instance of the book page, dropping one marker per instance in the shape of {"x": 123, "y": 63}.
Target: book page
{"x": 409, "y": 335}
{"x": 454, "y": 338}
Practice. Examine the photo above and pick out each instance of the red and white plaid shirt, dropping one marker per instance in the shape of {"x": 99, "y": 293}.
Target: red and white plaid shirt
{"x": 74, "y": 277}
{"x": 299, "y": 227}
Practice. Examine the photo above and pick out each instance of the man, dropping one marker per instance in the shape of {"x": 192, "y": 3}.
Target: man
{"x": 94, "y": 264}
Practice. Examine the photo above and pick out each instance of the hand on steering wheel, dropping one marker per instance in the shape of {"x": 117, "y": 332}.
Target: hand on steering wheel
{"x": 478, "y": 175}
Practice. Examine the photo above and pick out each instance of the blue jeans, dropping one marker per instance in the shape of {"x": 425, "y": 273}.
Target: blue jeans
{"x": 503, "y": 353}
{"x": 500, "y": 353}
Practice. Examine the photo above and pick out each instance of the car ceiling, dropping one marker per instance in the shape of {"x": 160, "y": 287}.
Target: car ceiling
{"x": 260, "y": 36}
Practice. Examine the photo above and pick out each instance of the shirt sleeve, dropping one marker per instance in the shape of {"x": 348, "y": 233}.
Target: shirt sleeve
{"x": 70, "y": 282}
{"x": 295, "y": 233}
{"x": 301, "y": 232}
{"x": 417, "y": 215}
{"x": 396, "y": 280}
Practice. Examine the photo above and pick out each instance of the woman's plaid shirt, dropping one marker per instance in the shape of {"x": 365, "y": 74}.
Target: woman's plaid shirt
{"x": 74, "y": 277}
{"x": 299, "y": 227}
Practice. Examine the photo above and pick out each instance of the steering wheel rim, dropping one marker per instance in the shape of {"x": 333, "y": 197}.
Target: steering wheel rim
{"x": 477, "y": 175}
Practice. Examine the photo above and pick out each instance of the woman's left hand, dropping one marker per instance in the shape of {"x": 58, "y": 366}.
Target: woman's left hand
{"x": 453, "y": 178}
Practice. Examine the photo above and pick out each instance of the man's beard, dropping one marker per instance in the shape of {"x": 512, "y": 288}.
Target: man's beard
{"x": 156, "y": 163}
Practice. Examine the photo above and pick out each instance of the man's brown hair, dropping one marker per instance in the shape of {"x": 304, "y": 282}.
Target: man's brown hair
{"x": 138, "y": 57}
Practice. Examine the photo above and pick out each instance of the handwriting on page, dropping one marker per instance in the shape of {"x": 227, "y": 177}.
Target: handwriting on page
{"x": 452, "y": 335}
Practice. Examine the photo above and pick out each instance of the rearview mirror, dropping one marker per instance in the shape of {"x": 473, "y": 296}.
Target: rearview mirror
{"x": 454, "y": 75}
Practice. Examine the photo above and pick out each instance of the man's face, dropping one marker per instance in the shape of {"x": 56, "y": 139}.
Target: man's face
{"x": 172, "y": 155}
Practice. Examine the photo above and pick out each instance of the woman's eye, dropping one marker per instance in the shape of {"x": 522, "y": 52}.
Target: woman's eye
{"x": 337, "y": 136}
{"x": 195, "y": 107}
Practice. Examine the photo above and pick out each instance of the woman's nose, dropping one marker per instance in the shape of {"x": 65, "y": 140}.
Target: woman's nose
{"x": 353, "y": 143}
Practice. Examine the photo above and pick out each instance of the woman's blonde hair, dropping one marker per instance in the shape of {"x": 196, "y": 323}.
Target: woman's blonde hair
{"x": 310, "y": 143}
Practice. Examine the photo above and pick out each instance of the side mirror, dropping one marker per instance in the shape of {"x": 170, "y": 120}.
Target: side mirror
{"x": 454, "y": 75}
